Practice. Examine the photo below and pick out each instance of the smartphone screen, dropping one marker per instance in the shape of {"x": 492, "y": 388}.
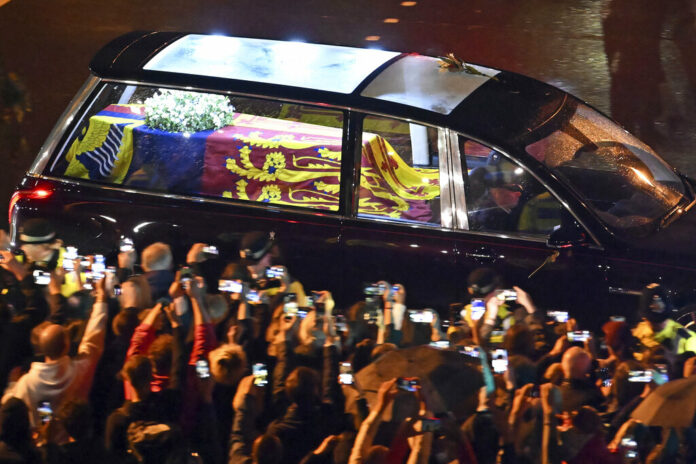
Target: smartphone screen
{"x": 202, "y": 369}
{"x": 430, "y": 425}
{"x": 290, "y": 308}
{"x": 211, "y": 250}
{"x": 440, "y": 344}
{"x": 640, "y": 376}
{"x": 260, "y": 372}
{"x": 41, "y": 277}
{"x": 45, "y": 412}
{"x": 471, "y": 351}
{"x": 186, "y": 274}
{"x": 478, "y": 309}
{"x": 578, "y": 336}
{"x": 253, "y": 297}
{"x": 507, "y": 295}
{"x": 499, "y": 360}
{"x": 407, "y": 384}
{"x": 558, "y": 316}
{"x": 125, "y": 245}
{"x": 68, "y": 258}
{"x": 230, "y": 286}
{"x": 345, "y": 375}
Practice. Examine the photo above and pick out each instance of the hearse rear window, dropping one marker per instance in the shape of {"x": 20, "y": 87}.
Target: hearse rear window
{"x": 209, "y": 145}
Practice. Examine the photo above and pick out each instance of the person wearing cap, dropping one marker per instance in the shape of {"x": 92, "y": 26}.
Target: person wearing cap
{"x": 43, "y": 250}
{"x": 657, "y": 328}
{"x": 484, "y": 283}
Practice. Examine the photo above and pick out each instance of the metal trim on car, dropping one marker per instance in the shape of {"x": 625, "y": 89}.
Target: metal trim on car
{"x": 460, "y": 213}
{"x": 64, "y": 121}
{"x": 446, "y": 198}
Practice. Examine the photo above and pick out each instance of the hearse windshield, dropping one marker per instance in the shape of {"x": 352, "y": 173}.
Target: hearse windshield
{"x": 625, "y": 182}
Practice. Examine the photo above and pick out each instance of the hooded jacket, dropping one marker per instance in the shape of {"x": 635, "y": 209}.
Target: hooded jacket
{"x": 66, "y": 377}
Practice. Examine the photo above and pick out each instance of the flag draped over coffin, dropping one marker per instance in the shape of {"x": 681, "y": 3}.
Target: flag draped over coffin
{"x": 254, "y": 159}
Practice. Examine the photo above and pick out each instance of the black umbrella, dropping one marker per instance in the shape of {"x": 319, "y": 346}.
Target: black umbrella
{"x": 450, "y": 381}
{"x": 670, "y": 405}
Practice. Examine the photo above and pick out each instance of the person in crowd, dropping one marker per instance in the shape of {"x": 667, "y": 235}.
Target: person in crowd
{"x": 16, "y": 443}
{"x": 658, "y": 328}
{"x": 577, "y": 388}
{"x": 61, "y": 377}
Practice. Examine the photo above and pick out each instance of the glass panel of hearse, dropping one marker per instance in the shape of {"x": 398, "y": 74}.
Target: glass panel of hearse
{"x": 298, "y": 64}
{"x": 204, "y": 144}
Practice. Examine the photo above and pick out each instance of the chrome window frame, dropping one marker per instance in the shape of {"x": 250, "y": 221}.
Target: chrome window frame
{"x": 460, "y": 199}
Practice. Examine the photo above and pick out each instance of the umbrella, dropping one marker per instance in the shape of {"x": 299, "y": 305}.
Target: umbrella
{"x": 670, "y": 405}
{"x": 450, "y": 381}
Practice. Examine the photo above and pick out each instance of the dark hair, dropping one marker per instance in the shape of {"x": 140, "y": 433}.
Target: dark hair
{"x": 138, "y": 371}
{"x": 14, "y": 423}
{"x": 519, "y": 340}
{"x": 125, "y": 322}
{"x": 161, "y": 353}
{"x": 302, "y": 385}
{"x": 267, "y": 449}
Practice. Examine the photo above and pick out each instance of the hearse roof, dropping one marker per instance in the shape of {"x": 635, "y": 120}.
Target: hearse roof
{"x": 405, "y": 85}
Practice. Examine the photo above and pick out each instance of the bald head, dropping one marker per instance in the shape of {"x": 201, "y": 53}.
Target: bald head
{"x": 576, "y": 363}
{"x": 53, "y": 341}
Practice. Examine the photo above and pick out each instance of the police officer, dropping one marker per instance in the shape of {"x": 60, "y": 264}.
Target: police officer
{"x": 657, "y": 328}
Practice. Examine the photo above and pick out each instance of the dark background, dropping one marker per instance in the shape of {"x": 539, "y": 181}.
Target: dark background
{"x": 633, "y": 59}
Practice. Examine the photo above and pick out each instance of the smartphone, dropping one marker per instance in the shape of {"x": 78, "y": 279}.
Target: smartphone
{"x": 164, "y": 301}
{"x": 478, "y": 309}
{"x": 230, "y": 286}
{"x": 507, "y": 295}
{"x": 260, "y": 372}
{"x": 290, "y": 309}
{"x": 45, "y": 412}
{"x": 340, "y": 323}
{"x": 99, "y": 266}
{"x": 535, "y": 392}
{"x": 68, "y": 258}
{"x": 117, "y": 290}
{"x": 41, "y": 277}
{"x": 660, "y": 374}
{"x": 430, "y": 424}
{"x": 408, "y": 384}
{"x": 275, "y": 272}
{"x": 202, "y": 369}
{"x": 471, "y": 351}
{"x": 186, "y": 274}
{"x": 640, "y": 376}
{"x": 253, "y": 296}
{"x": 374, "y": 289}
{"x": 558, "y": 316}
{"x": 345, "y": 374}
{"x": 578, "y": 336}
{"x": 423, "y": 316}
{"x": 630, "y": 446}
{"x": 211, "y": 250}
{"x": 618, "y": 318}
{"x": 499, "y": 360}
{"x": 440, "y": 344}
{"x": 125, "y": 245}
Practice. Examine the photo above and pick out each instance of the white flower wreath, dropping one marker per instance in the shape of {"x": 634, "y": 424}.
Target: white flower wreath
{"x": 182, "y": 111}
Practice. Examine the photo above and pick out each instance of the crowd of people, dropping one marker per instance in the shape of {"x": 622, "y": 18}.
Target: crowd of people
{"x": 153, "y": 361}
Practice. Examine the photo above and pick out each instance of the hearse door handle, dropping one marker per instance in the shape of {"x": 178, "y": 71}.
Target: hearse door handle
{"x": 482, "y": 255}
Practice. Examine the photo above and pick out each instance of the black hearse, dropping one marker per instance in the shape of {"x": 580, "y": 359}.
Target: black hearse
{"x": 366, "y": 165}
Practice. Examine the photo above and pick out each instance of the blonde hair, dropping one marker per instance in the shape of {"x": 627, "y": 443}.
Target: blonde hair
{"x": 157, "y": 257}
{"x": 227, "y": 363}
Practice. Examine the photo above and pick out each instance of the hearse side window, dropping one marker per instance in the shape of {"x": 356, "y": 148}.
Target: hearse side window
{"x": 399, "y": 173}
{"x": 503, "y": 197}
{"x": 211, "y": 145}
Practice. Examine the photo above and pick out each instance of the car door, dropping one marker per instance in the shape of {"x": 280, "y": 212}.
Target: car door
{"x": 401, "y": 227}
{"x": 505, "y": 215}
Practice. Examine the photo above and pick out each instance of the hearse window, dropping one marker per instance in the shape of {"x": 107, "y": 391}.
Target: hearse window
{"x": 503, "y": 197}
{"x": 209, "y": 145}
{"x": 399, "y": 174}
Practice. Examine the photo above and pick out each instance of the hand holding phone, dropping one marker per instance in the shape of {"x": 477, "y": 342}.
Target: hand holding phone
{"x": 409, "y": 384}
